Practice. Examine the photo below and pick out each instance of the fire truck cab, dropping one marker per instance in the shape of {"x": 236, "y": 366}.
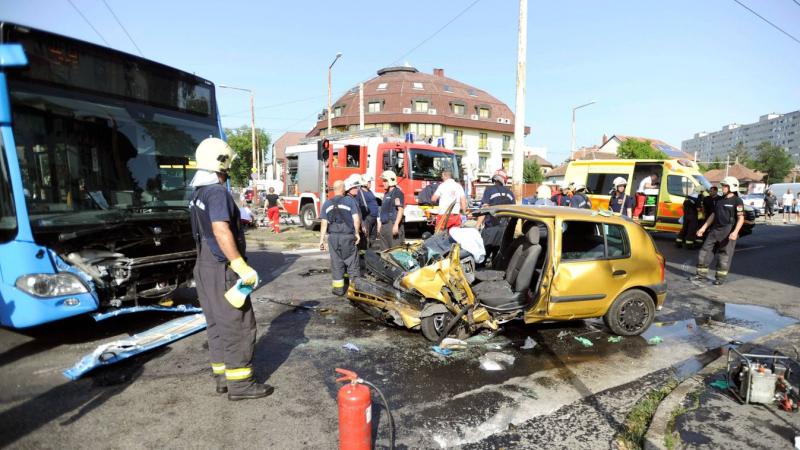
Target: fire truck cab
{"x": 417, "y": 165}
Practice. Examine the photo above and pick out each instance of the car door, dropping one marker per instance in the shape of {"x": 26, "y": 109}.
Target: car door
{"x": 588, "y": 272}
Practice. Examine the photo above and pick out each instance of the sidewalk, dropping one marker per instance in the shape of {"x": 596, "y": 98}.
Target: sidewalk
{"x": 697, "y": 415}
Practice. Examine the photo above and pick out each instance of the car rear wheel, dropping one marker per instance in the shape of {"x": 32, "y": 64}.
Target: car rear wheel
{"x": 433, "y": 326}
{"x": 631, "y": 313}
{"x": 307, "y": 215}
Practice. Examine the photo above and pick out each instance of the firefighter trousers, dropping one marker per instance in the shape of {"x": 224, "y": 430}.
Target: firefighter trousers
{"x": 688, "y": 233}
{"x": 388, "y": 240}
{"x": 367, "y": 232}
{"x": 231, "y": 331}
{"x": 718, "y": 236}
{"x": 344, "y": 260}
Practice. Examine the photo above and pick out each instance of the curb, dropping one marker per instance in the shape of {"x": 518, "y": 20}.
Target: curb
{"x": 656, "y": 433}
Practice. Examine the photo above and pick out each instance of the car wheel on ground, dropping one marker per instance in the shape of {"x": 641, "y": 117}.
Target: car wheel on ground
{"x": 433, "y": 326}
{"x": 308, "y": 215}
{"x": 631, "y": 313}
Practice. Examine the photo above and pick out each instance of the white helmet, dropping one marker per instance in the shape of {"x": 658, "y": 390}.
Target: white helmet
{"x": 579, "y": 187}
{"x": 619, "y": 181}
{"x": 214, "y": 155}
{"x": 731, "y": 182}
{"x": 389, "y": 177}
{"x": 365, "y": 179}
{"x": 543, "y": 191}
{"x": 353, "y": 181}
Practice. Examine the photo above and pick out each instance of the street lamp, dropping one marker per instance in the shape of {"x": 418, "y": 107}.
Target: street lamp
{"x": 572, "y": 147}
{"x": 252, "y": 133}
{"x": 324, "y": 190}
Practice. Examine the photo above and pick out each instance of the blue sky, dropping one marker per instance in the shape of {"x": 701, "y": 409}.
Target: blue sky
{"x": 659, "y": 69}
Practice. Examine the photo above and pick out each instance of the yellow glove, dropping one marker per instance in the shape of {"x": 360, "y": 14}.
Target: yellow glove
{"x": 247, "y": 274}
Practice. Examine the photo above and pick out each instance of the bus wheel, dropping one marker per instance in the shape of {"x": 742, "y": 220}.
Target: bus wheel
{"x": 307, "y": 216}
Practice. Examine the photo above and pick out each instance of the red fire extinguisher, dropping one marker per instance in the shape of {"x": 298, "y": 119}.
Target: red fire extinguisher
{"x": 355, "y": 413}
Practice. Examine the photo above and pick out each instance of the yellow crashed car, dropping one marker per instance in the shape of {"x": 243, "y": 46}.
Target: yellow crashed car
{"x": 555, "y": 263}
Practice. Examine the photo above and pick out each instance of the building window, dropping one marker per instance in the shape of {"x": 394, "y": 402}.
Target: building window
{"x": 472, "y": 93}
{"x": 447, "y": 88}
{"x": 483, "y": 162}
{"x": 459, "y": 110}
{"x": 421, "y": 106}
{"x": 458, "y": 138}
{"x": 483, "y": 113}
{"x": 374, "y": 107}
{"x": 337, "y": 111}
{"x": 506, "y": 142}
{"x": 382, "y": 86}
{"x": 506, "y": 165}
{"x": 483, "y": 141}
{"x": 417, "y": 86}
{"x": 425, "y": 129}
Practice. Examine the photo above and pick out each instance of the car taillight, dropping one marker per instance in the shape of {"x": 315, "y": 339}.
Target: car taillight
{"x": 662, "y": 262}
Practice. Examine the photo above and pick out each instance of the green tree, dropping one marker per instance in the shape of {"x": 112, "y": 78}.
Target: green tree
{"x": 716, "y": 164}
{"x": 774, "y": 161}
{"x": 634, "y": 149}
{"x": 532, "y": 172}
{"x": 740, "y": 153}
{"x": 240, "y": 140}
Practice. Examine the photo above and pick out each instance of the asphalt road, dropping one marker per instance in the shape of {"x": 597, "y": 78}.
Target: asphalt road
{"x": 560, "y": 394}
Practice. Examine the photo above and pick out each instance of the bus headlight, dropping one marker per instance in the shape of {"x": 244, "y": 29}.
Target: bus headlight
{"x": 51, "y": 285}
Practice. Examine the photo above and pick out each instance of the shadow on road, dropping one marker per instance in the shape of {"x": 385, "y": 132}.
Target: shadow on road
{"x": 81, "y": 396}
{"x": 285, "y": 332}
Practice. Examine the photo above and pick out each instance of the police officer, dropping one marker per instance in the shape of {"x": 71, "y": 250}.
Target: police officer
{"x": 390, "y": 223}
{"x": 493, "y": 227}
{"x": 340, "y": 224}
{"x": 579, "y": 198}
{"x": 725, "y": 223}
{"x": 369, "y": 212}
{"x": 691, "y": 209}
{"x": 621, "y": 202}
{"x": 231, "y": 325}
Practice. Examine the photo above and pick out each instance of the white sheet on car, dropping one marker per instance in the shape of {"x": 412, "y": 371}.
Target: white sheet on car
{"x": 470, "y": 240}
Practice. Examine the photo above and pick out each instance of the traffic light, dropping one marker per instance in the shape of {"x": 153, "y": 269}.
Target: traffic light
{"x": 323, "y": 149}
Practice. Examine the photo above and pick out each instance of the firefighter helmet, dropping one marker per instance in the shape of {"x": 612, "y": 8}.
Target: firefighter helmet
{"x": 389, "y": 177}
{"x": 619, "y": 181}
{"x": 500, "y": 175}
{"x": 353, "y": 181}
{"x": 731, "y": 182}
{"x": 579, "y": 187}
{"x": 214, "y": 155}
{"x": 365, "y": 179}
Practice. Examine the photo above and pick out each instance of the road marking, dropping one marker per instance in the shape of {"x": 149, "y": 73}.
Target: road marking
{"x": 744, "y": 249}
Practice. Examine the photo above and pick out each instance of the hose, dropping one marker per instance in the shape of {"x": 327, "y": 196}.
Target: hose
{"x": 388, "y": 410}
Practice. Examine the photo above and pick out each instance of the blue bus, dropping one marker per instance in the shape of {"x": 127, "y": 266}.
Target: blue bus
{"x": 96, "y": 159}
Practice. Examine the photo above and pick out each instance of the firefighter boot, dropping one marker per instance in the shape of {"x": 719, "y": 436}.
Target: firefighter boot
{"x": 222, "y": 384}
{"x": 248, "y": 389}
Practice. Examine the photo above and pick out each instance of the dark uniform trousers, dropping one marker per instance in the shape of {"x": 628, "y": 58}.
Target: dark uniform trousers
{"x": 370, "y": 223}
{"x": 344, "y": 260}
{"x": 231, "y": 331}
{"x": 388, "y": 240}
{"x": 717, "y": 236}
{"x": 688, "y": 233}
{"x": 492, "y": 236}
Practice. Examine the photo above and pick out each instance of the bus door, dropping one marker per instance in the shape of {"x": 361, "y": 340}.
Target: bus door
{"x": 652, "y": 197}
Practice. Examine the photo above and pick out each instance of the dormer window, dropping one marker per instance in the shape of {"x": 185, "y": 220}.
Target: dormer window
{"x": 337, "y": 111}
{"x": 382, "y": 86}
{"x": 447, "y": 88}
{"x": 417, "y": 86}
{"x": 472, "y": 93}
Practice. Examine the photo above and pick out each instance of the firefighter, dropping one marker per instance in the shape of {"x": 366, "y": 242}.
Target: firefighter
{"x": 493, "y": 227}
{"x": 579, "y": 198}
{"x": 340, "y": 225}
{"x": 369, "y": 212}
{"x": 724, "y": 223}
{"x": 390, "y": 223}
{"x": 560, "y": 198}
{"x": 691, "y": 207}
{"x": 621, "y": 202}
{"x": 231, "y": 325}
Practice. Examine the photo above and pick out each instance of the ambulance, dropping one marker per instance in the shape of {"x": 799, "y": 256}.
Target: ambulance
{"x": 677, "y": 179}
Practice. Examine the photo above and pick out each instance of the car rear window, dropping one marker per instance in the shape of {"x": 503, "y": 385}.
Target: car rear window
{"x": 582, "y": 240}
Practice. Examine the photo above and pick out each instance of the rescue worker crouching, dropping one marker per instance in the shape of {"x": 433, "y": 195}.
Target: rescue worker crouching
{"x": 220, "y": 241}
{"x": 492, "y": 228}
{"x": 390, "y": 223}
{"x": 724, "y": 223}
{"x": 340, "y": 225}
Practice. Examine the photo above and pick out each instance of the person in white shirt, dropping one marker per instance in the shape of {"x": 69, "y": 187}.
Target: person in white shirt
{"x": 786, "y": 203}
{"x": 448, "y": 192}
{"x": 648, "y": 182}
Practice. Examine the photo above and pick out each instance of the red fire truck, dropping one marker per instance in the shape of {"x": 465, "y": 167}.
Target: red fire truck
{"x": 416, "y": 164}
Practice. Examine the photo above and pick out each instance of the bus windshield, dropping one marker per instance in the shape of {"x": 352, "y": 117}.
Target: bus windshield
{"x": 428, "y": 165}
{"x": 8, "y": 218}
{"x": 88, "y": 159}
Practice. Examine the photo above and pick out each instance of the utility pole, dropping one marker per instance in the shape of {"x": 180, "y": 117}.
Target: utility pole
{"x": 727, "y": 163}
{"x": 323, "y": 193}
{"x": 572, "y": 145}
{"x": 252, "y": 136}
{"x": 519, "y": 108}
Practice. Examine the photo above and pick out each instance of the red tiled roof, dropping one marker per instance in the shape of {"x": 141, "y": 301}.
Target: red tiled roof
{"x": 655, "y": 143}
{"x": 402, "y": 89}
{"x": 541, "y": 161}
{"x": 742, "y": 173}
{"x": 559, "y": 171}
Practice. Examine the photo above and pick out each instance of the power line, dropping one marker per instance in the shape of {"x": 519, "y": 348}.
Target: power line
{"x": 275, "y": 105}
{"x": 437, "y": 31}
{"x": 797, "y": 1}
{"x": 765, "y": 20}
{"x": 89, "y": 23}
{"x": 123, "y": 28}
